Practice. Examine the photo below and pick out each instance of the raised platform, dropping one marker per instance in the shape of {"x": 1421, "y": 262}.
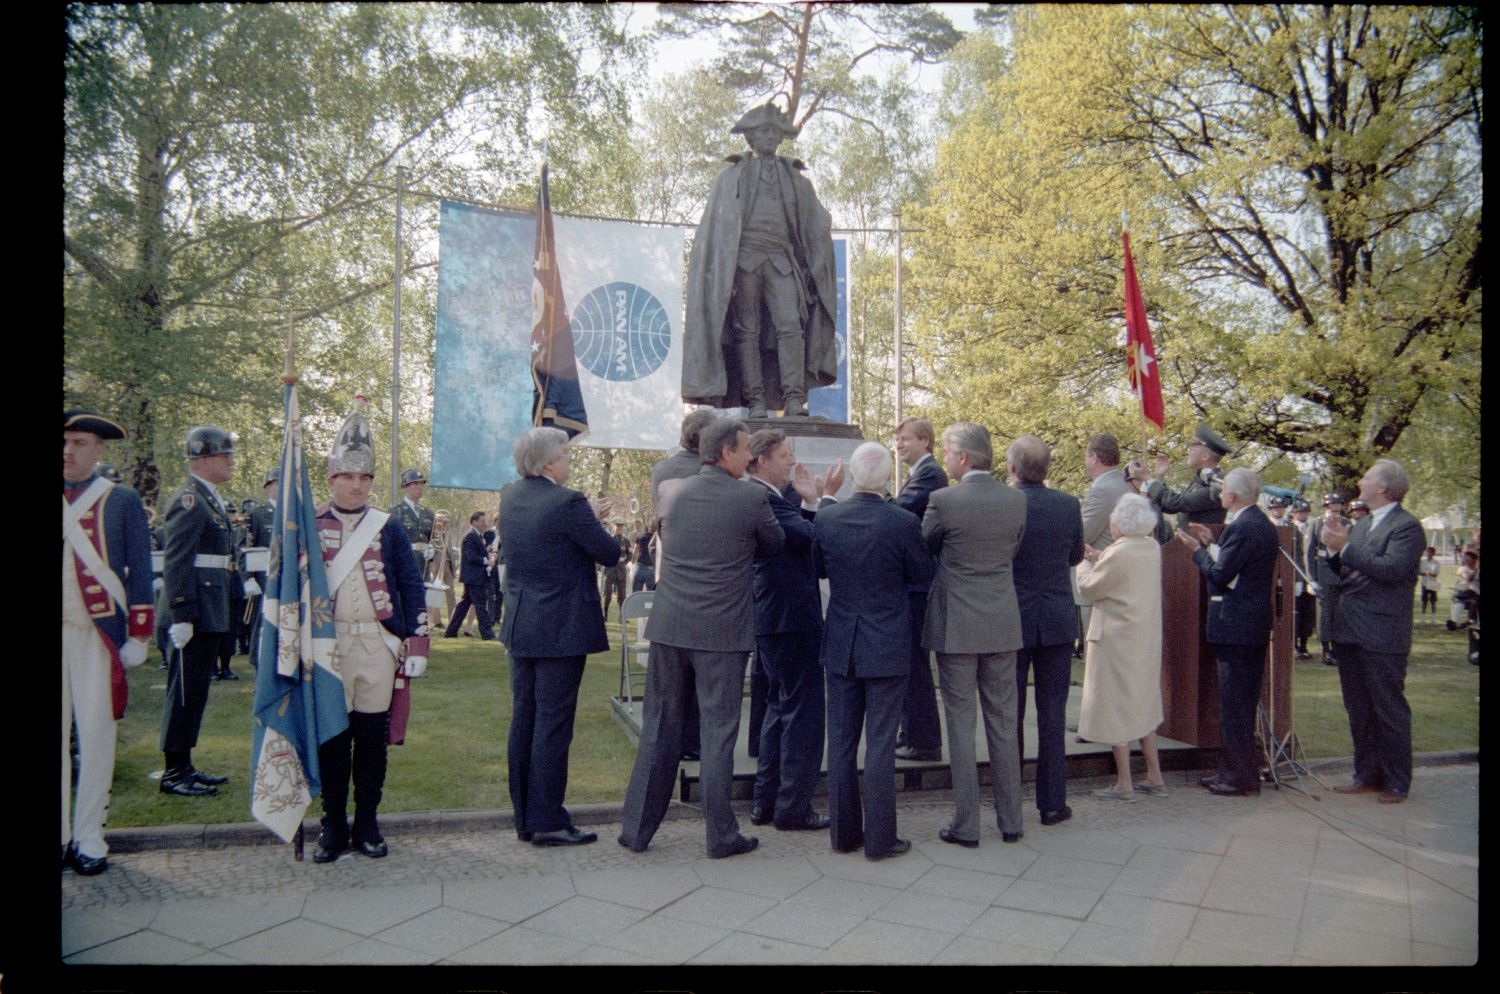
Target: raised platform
{"x": 1085, "y": 759}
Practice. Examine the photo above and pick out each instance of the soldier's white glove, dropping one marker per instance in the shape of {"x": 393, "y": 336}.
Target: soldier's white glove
{"x": 428, "y": 553}
{"x": 1312, "y": 588}
{"x": 132, "y": 653}
{"x": 156, "y": 584}
{"x": 181, "y": 633}
{"x": 252, "y": 589}
{"x": 414, "y": 666}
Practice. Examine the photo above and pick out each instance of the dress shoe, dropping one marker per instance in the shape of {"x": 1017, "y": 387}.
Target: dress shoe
{"x": 1391, "y": 797}
{"x": 206, "y": 779}
{"x": 184, "y": 784}
{"x": 794, "y": 409}
{"x": 690, "y": 755}
{"x": 376, "y": 849}
{"x": 89, "y": 866}
{"x": 229, "y": 675}
{"x": 1011, "y": 836}
{"x": 329, "y": 848}
{"x": 1355, "y": 787}
{"x": 569, "y": 836}
{"x": 919, "y": 755}
{"x": 1301, "y": 655}
{"x": 1209, "y": 780}
{"x": 901, "y": 848}
{"x": 946, "y": 834}
{"x": 846, "y": 850}
{"x": 760, "y": 816}
{"x": 1221, "y": 789}
{"x": 629, "y": 845}
{"x": 1054, "y": 817}
{"x": 812, "y": 823}
{"x": 739, "y": 847}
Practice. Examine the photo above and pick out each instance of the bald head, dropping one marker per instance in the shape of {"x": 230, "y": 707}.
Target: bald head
{"x": 1028, "y": 457}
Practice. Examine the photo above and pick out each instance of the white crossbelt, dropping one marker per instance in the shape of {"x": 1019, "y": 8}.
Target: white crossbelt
{"x": 83, "y": 548}
{"x": 205, "y": 561}
{"x": 354, "y": 547}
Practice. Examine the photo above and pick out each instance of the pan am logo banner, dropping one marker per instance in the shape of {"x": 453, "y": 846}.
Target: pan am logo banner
{"x": 625, "y": 282}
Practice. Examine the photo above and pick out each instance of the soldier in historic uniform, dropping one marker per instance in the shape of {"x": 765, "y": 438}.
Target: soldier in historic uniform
{"x": 439, "y": 571}
{"x": 380, "y": 616}
{"x": 197, "y": 540}
{"x": 106, "y": 624}
{"x": 416, "y": 519}
{"x": 1198, "y": 502}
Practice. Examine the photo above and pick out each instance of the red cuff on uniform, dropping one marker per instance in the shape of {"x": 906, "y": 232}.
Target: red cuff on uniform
{"x": 417, "y": 645}
{"x": 142, "y": 623}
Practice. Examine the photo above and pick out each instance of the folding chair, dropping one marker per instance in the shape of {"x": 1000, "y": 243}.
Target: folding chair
{"x": 633, "y": 652}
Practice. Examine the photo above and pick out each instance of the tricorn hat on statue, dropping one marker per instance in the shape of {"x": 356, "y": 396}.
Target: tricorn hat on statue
{"x": 77, "y": 419}
{"x": 354, "y": 446}
{"x": 767, "y": 113}
{"x": 412, "y": 476}
{"x": 1212, "y": 439}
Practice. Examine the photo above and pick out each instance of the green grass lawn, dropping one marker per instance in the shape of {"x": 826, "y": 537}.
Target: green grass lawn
{"x": 454, "y": 756}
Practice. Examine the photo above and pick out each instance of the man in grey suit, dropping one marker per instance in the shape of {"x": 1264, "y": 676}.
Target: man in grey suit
{"x": 1101, "y": 461}
{"x": 1375, "y": 562}
{"x": 973, "y": 529}
{"x": 703, "y": 623}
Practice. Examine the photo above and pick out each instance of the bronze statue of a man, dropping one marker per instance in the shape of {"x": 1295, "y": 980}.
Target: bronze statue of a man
{"x": 761, "y": 284}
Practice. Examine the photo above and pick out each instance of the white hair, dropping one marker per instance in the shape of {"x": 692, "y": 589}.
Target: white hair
{"x": 1134, "y": 515}
{"x": 1391, "y": 476}
{"x": 870, "y": 467}
{"x": 538, "y": 448}
{"x": 1243, "y": 483}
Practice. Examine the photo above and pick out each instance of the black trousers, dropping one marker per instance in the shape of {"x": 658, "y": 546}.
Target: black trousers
{"x": 1240, "y": 668}
{"x": 1374, "y": 689}
{"x": 189, "y": 674}
{"x": 544, "y": 692}
{"x": 477, "y": 595}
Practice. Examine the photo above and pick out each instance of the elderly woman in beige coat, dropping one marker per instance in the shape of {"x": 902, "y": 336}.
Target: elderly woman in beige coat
{"x": 1122, "y": 667}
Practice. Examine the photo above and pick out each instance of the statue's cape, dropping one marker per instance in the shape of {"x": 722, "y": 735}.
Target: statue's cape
{"x": 706, "y": 378}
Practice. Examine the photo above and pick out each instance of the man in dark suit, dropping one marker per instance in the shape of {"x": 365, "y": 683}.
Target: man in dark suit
{"x": 1101, "y": 461}
{"x": 920, "y": 736}
{"x": 1052, "y": 546}
{"x": 788, "y": 628}
{"x": 1239, "y": 568}
{"x": 553, "y": 539}
{"x": 1376, "y": 563}
{"x": 1324, "y": 577}
{"x": 471, "y": 570}
{"x": 196, "y": 540}
{"x": 666, "y": 476}
{"x": 872, "y": 554}
{"x": 974, "y": 529}
{"x": 703, "y": 622}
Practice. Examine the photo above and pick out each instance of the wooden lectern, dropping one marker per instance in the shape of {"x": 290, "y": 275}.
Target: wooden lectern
{"x": 1189, "y": 674}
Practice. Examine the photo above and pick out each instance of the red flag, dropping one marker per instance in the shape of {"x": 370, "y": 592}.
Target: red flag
{"x": 1140, "y": 354}
{"x": 557, "y": 398}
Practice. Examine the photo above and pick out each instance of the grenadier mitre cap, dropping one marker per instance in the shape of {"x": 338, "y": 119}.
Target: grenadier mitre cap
{"x": 767, "y": 113}
{"x": 78, "y": 419}
{"x": 354, "y": 446}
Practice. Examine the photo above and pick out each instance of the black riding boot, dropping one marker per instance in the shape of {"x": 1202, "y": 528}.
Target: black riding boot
{"x": 333, "y": 766}
{"x": 370, "y": 734}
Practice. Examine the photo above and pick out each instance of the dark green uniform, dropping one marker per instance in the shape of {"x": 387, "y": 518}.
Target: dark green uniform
{"x": 195, "y": 526}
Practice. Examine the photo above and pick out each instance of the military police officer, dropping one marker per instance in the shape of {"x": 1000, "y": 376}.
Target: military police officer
{"x": 196, "y": 539}
{"x": 416, "y": 519}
